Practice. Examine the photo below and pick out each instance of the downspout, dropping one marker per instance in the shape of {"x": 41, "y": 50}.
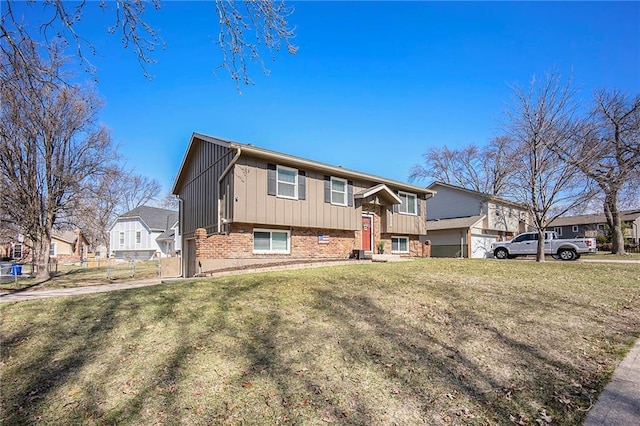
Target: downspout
{"x": 222, "y": 176}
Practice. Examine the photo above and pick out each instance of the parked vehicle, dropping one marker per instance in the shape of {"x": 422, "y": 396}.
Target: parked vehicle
{"x": 527, "y": 244}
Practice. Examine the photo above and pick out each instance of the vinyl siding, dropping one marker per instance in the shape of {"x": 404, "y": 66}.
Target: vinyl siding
{"x": 448, "y": 203}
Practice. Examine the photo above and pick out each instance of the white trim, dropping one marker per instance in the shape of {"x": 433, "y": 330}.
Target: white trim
{"x": 404, "y": 237}
{"x": 294, "y": 183}
{"x": 370, "y": 233}
{"x": 53, "y": 247}
{"x": 271, "y": 251}
{"x": 346, "y": 190}
{"x": 574, "y": 228}
{"x": 415, "y": 203}
{"x": 558, "y": 230}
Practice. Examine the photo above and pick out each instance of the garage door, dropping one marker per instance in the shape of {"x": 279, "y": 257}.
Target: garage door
{"x": 481, "y": 245}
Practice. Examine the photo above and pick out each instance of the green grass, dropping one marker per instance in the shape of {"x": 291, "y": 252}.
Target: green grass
{"x": 435, "y": 341}
{"x": 69, "y": 276}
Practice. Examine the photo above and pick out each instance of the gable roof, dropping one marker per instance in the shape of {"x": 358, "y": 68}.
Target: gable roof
{"x": 155, "y": 218}
{"x": 296, "y": 162}
{"x": 455, "y": 223}
{"x": 478, "y": 194}
{"x": 592, "y": 219}
{"x": 381, "y": 189}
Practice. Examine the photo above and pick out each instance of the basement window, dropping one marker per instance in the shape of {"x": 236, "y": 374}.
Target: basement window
{"x": 399, "y": 244}
{"x": 271, "y": 241}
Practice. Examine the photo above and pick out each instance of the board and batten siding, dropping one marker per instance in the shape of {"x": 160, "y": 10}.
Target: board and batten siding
{"x": 130, "y": 227}
{"x": 252, "y": 204}
{"x": 199, "y": 186}
{"x": 402, "y": 224}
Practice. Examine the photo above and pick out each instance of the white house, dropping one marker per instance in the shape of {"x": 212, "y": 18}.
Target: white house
{"x": 464, "y": 223}
{"x": 144, "y": 233}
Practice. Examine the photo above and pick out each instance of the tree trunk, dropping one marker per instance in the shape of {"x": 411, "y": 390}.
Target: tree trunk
{"x": 540, "y": 251}
{"x": 615, "y": 223}
{"x": 41, "y": 257}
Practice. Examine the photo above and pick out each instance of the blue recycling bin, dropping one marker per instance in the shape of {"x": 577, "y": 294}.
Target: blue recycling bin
{"x": 16, "y": 269}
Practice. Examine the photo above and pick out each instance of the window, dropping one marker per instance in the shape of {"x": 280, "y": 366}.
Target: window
{"x": 574, "y": 228}
{"x": 287, "y": 182}
{"x": 338, "y": 191}
{"x": 17, "y": 251}
{"x": 558, "y": 230}
{"x": 270, "y": 241}
{"x": 400, "y": 244}
{"x": 138, "y": 237}
{"x": 409, "y": 203}
{"x": 601, "y": 226}
{"x": 525, "y": 237}
{"x": 121, "y": 239}
{"x": 52, "y": 250}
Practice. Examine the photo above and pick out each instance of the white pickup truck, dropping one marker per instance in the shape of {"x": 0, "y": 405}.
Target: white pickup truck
{"x": 527, "y": 244}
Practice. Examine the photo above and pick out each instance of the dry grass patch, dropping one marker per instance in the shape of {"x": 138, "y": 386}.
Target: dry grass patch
{"x": 69, "y": 276}
{"x": 430, "y": 341}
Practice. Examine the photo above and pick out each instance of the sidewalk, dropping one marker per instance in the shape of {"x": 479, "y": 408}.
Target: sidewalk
{"x": 21, "y": 296}
{"x": 619, "y": 402}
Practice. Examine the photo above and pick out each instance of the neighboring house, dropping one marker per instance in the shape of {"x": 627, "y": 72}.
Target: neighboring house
{"x": 464, "y": 223}
{"x": 65, "y": 247}
{"x": 595, "y": 225}
{"x": 243, "y": 205}
{"x": 144, "y": 233}
{"x": 68, "y": 246}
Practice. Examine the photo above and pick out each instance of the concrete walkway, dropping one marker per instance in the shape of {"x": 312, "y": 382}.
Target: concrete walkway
{"x": 619, "y": 402}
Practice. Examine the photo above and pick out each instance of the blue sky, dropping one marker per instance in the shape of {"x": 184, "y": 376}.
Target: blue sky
{"x": 373, "y": 85}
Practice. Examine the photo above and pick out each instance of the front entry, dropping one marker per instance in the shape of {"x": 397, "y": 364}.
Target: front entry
{"x": 367, "y": 232}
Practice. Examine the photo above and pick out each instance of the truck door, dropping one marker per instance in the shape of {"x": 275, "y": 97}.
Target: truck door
{"x": 524, "y": 244}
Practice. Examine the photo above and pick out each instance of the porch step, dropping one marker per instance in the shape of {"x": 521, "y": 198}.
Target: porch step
{"x": 388, "y": 258}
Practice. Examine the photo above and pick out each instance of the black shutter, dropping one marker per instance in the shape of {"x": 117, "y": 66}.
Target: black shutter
{"x": 327, "y": 189}
{"x": 350, "y": 193}
{"x": 302, "y": 185}
{"x": 271, "y": 179}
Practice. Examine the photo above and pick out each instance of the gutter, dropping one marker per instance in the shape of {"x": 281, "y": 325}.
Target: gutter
{"x": 222, "y": 176}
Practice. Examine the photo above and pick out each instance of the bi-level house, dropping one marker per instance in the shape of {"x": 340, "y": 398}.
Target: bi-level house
{"x": 242, "y": 205}
{"x": 463, "y": 223}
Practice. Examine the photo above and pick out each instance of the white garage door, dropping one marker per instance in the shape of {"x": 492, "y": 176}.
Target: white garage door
{"x": 481, "y": 245}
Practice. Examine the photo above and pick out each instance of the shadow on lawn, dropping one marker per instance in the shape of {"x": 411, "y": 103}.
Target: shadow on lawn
{"x": 305, "y": 351}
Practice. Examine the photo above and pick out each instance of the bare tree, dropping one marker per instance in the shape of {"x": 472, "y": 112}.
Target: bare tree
{"x": 541, "y": 116}
{"x": 481, "y": 169}
{"x": 168, "y": 201}
{"x": 606, "y": 149}
{"x": 247, "y": 30}
{"x": 51, "y": 145}
{"x": 115, "y": 192}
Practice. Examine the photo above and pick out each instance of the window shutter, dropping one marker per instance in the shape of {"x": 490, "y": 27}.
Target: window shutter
{"x": 419, "y": 203}
{"x": 327, "y": 189}
{"x": 302, "y": 185}
{"x": 271, "y": 179}
{"x": 350, "y": 193}
{"x": 396, "y": 207}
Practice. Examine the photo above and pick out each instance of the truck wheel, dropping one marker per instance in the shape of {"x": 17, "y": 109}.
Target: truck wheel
{"x": 501, "y": 253}
{"x": 567, "y": 254}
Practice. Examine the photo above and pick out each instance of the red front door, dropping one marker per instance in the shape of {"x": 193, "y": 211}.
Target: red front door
{"x": 367, "y": 224}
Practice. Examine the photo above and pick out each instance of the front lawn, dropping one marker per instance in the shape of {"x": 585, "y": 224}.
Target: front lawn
{"x": 433, "y": 341}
